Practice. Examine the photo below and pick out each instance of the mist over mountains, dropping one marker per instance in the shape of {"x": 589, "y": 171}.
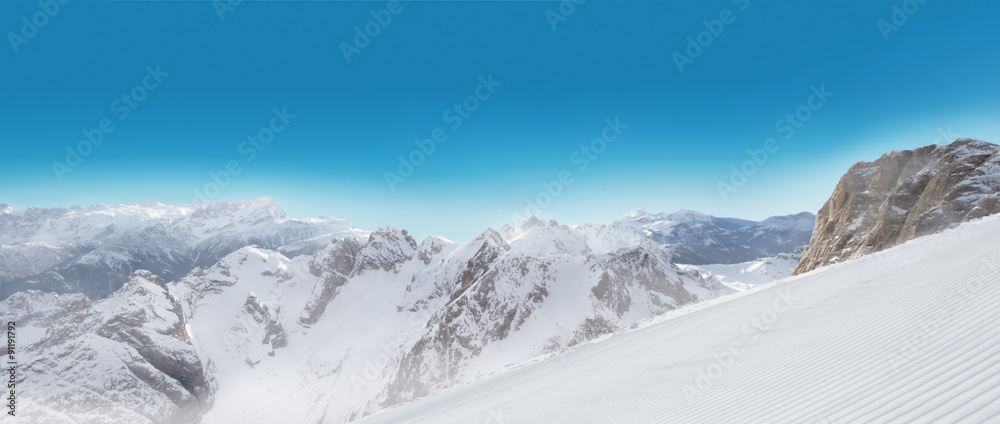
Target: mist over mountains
{"x": 93, "y": 250}
{"x": 381, "y": 317}
{"x": 332, "y": 323}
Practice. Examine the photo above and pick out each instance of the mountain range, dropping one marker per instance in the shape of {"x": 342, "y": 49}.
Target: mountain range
{"x": 379, "y": 318}
{"x": 904, "y": 335}
{"x": 94, "y": 250}
{"x": 247, "y": 315}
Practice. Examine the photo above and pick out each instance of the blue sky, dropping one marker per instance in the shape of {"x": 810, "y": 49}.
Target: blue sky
{"x": 554, "y": 88}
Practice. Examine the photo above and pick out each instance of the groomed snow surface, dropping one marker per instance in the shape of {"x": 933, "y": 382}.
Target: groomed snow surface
{"x": 905, "y": 335}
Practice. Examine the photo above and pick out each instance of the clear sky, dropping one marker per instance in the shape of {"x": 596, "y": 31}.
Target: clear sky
{"x": 558, "y": 73}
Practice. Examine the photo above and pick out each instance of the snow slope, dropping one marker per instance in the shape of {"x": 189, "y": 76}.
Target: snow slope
{"x": 340, "y": 334}
{"x": 746, "y": 275}
{"x": 908, "y": 334}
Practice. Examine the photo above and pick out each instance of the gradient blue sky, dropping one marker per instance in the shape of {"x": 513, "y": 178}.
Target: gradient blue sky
{"x": 607, "y": 59}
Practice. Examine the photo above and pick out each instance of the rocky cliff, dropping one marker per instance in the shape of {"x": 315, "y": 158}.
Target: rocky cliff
{"x": 128, "y": 358}
{"x": 904, "y": 195}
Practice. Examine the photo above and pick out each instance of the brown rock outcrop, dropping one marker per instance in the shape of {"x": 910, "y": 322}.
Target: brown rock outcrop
{"x": 904, "y": 195}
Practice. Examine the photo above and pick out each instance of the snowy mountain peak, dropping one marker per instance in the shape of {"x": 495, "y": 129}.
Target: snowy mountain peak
{"x": 487, "y": 244}
{"x": 150, "y": 204}
{"x": 803, "y": 221}
{"x": 489, "y": 237}
{"x": 388, "y": 235}
{"x": 970, "y": 146}
{"x": 431, "y": 246}
{"x": 409, "y": 318}
{"x": 144, "y": 302}
{"x": 682, "y": 215}
{"x": 635, "y": 213}
{"x": 689, "y": 214}
{"x": 94, "y": 250}
{"x": 540, "y": 238}
{"x": 386, "y": 249}
{"x": 247, "y": 212}
{"x": 530, "y": 224}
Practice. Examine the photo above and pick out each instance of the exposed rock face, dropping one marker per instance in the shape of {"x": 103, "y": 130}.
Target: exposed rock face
{"x": 360, "y": 325}
{"x": 257, "y": 321}
{"x": 127, "y": 358}
{"x": 386, "y": 250}
{"x": 333, "y": 265}
{"x": 904, "y": 195}
{"x": 502, "y": 291}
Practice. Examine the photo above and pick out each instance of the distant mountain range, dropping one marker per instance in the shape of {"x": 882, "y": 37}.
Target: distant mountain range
{"x": 879, "y": 327}
{"x": 93, "y": 250}
{"x": 331, "y": 323}
{"x": 380, "y": 318}
{"x": 697, "y": 238}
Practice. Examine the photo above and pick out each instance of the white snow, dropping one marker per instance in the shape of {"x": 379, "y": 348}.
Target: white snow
{"x": 904, "y": 335}
{"x": 746, "y": 275}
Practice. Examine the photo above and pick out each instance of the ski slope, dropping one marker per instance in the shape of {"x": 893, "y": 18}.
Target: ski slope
{"x": 905, "y": 335}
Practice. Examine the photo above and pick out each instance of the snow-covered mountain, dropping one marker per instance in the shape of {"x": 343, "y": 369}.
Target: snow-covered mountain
{"x": 94, "y": 250}
{"x": 747, "y": 275}
{"x": 688, "y": 237}
{"x": 326, "y": 326}
{"x": 697, "y": 238}
{"x": 271, "y": 319}
{"x": 904, "y": 195}
{"x": 126, "y": 358}
{"x": 901, "y": 336}
{"x": 341, "y": 333}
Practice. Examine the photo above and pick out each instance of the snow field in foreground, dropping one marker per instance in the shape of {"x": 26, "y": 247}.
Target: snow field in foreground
{"x": 904, "y": 335}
